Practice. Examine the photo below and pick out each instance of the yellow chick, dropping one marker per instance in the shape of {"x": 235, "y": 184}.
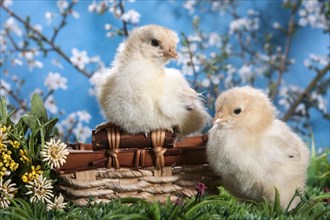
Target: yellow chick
{"x": 139, "y": 94}
{"x": 253, "y": 151}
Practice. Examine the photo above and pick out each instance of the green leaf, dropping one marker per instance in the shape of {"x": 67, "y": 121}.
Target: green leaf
{"x": 277, "y": 206}
{"x": 38, "y": 109}
{"x": 3, "y": 110}
{"x": 156, "y": 211}
{"x": 30, "y": 120}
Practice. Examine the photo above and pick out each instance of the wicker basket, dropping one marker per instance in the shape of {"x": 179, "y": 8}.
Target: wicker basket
{"x": 154, "y": 167}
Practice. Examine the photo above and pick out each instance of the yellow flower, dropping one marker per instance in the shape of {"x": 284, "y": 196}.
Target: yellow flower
{"x": 3, "y": 136}
{"x": 25, "y": 179}
{"x": 3, "y": 128}
{"x": 23, "y": 155}
{"x": 15, "y": 144}
{"x": 33, "y": 174}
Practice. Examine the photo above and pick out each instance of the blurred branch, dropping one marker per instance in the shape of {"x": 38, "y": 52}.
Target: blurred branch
{"x": 44, "y": 38}
{"x": 63, "y": 21}
{"x": 122, "y": 11}
{"x": 191, "y": 58}
{"x": 286, "y": 51}
{"x": 21, "y": 102}
{"x": 307, "y": 91}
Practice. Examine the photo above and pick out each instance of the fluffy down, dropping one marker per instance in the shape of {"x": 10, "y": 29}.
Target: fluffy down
{"x": 253, "y": 151}
{"x": 140, "y": 95}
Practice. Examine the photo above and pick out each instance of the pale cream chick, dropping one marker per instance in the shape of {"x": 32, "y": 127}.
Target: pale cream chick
{"x": 140, "y": 95}
{"x": 253, "y": 151}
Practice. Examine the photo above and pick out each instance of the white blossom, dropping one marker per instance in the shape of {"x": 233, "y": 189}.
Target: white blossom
{"x": 131, "y": 16}
{"x": 40, "y": 189}
{"x": 69, "y": 121}
{"x": 252, "y": 12}
{"x": 5, "y": 87}
{"x": 17, "y": 62}
{"x": 79, "y": 58}
{"x": 58, "y": 203}
{"x": 95, "y": 59}
{"x": 245, "y": 72}
{"x": 75, "y": 14}
{"x": 242, "y": 24}
{"x": 214, "y": 39}
{"x": 92, "y": 7}
{"x": 194, "y": 38}
{"x": 49, "y": 17}
{"x": 38, "y": 27}
{"x": 301, "y": 108}
{"x": 8, "y": 3}
{"x": 311, "y": 14}
{"x": 35, "y": 64}
{"x": 11, "y": 25}
{"x": 50, "y": 105}
{"x": 276, "y": 25}
{"x": 16, "y": 116}
{"x": 54, "y": 153}
{"x": 284, "y": 102}
{"x": 189, "y": 65}
{"x": 7, "y": 191}
{"x": 84, "y": 116}
{"x": 57, "y": 63}
{"x": 190, "y": 6}
{"x": 307, "y": 63}
{"x": 37, "y": 91}
{"x": 321, "y": 103}
{"x": 107, "y": 27}
{"x": 62, "y": 5}
{"x": 55, "y": 81}
{"x": 81, "y": 132}
{"x": 206, "y": 82}
{"x": 215, "y": 79}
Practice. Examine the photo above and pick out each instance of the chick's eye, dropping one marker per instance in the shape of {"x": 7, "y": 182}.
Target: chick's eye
{"x": 154, "y": 42}
{"x": 237, "y": 111}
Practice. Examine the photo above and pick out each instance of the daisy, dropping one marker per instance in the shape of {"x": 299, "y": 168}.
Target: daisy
{"x": 57, "y": 204}
{"x": 7, "y": 190}
{"x": 41, "y": 189}
{"x": 54, "y": 153}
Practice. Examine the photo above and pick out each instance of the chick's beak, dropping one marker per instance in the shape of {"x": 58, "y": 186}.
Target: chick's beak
{"x": 171, "y": 53}
{"x": 218, "y": 119}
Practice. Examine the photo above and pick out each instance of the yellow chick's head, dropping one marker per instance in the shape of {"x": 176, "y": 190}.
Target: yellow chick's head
{"x": 152, "y": 42}
{"x": 244, "y": 108}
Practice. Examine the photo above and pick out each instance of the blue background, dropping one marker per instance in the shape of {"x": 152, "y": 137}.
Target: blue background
{"x": 87, "y": 33}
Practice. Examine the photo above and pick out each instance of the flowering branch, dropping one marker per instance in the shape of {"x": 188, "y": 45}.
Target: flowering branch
{"x": 63, "y": 21}
{"x": 286, "y": 51}
{"x": 21, "y": 102}
{"x": 45, "y": 39}
{"x": 308, "y": 90}
{"x": 122, "y": 11}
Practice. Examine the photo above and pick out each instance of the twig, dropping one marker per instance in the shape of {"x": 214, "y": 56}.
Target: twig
{"x": 45, "y": 39}
{"x": 191, "y": 60}
{"x": 15, "y": 97}
{"x": 63, "y": 22}
{"x": 307, "y": 91}
{"x": 16, "y": 47}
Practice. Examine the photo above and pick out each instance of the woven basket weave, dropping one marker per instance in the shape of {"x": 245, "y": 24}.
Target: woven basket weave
{"x": 163, "y": 169}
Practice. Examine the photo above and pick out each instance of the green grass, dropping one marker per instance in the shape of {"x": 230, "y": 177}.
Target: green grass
{"x": 314, "y": 204}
